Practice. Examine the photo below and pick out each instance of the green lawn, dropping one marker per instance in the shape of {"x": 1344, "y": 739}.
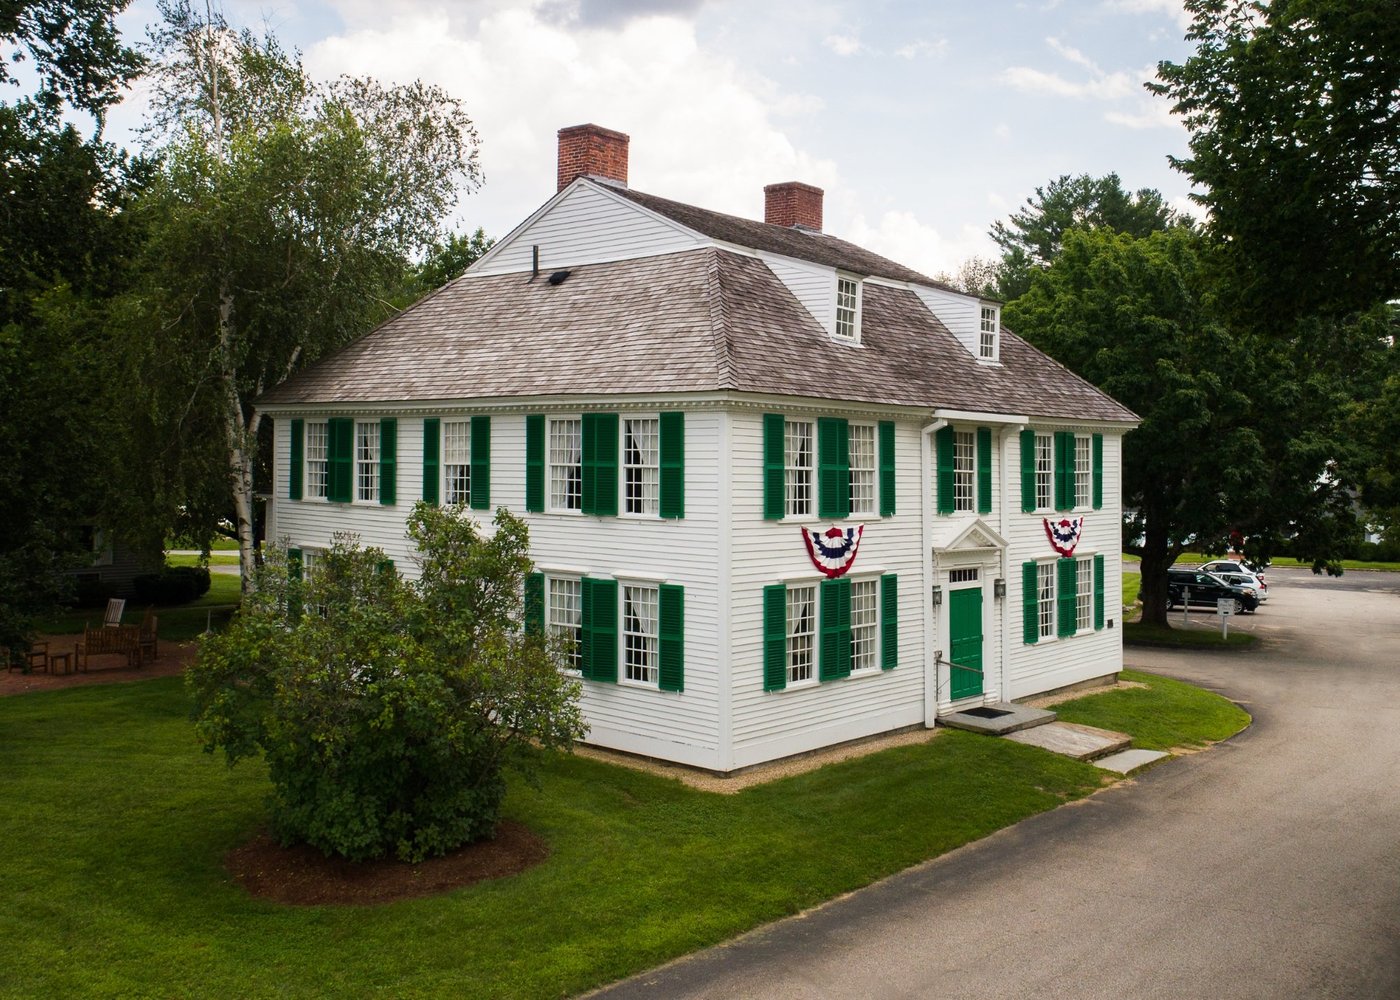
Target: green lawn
{"x": 1163, "y": 715}
{"x": 117, "y": 823}
{"x": 177, "y": 623}
{"x": 1196, "y": 558}
{"x": 1132, "y": 583}
{"x": 215, "y": 559}
{"x": 1143, "y": 634}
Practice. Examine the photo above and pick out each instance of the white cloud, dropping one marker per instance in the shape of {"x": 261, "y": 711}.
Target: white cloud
{"x": 702, "y": 127}
{"x": 843, "y": 45}
{"x": 1151, "y": 113}
{"x": 902, "y": 237}
{"x": 937, "y": 47}
{"x": 1073, "y": 55}
{"x": 1171, "y": 8}
{"x": 1109, "y": 86}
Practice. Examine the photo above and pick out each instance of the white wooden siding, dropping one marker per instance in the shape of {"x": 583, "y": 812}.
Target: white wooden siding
{"x": 768, "y": 725}
{"x": 673, "y": 726}
{"x": 961, "y": 314}
{"x": 1055, "y": 662}
{"x": 584, "y": 227}
{"x": 813, "y": 285}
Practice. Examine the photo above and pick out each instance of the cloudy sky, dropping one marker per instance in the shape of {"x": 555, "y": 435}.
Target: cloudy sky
{"x": 923, "y": 121}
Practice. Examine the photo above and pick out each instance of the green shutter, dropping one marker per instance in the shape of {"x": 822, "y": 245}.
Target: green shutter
{"x": 1098, "y": 471}
{"x": 672, "y": 427}
{"x": 534, "y": 604}
{"x": 600, "y": 630}
{"x": 887, "y": 505}
{"x": 294, "y": 578}
{"x": 774, "y": 473}
{"x": 298, "y": 460}
{"x": 1065, "y": 596}
{"x": 388, "y": 460}
{"x": 1030, "y": 603}
{"x": 1098, "y": 592}
{"x": 432, "y": 451}
{"x": 599, "y": 464}
{"x": 774, "y": 635}
{"x": 481, "y": 463}
{"x": 835, "y": 649}
{"x": 889, "y": 621}
{"x": 340, "y": 461}
{"x": 670, "y": 607}
{"x": 984, "y": 470}
{"x": 385, "y": 566}
{"x": 534, "y": 462}
{"x": 944, "y": 441}
{"x": 1028, "y": 470}
{"x": 833, "y": 467}
{"x": 1064, "y": 470}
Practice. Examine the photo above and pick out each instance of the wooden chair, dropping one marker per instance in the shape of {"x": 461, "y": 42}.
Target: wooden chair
{"x": 38, "y": 657}
{"x": 113, "y": 617}
{"x": 147, "y": 643}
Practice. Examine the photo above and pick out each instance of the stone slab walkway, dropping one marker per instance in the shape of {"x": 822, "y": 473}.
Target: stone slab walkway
{"x": 1073, "y": 740}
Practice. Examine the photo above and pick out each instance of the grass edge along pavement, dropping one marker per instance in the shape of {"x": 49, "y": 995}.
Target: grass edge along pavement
{"x": 132, "y": 897}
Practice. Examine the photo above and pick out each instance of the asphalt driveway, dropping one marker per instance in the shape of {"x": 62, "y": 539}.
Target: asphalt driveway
{"x": 1268, "y": 866}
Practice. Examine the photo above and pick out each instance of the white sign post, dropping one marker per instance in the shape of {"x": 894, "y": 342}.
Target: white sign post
{"x": 1186, "y": 606}
{"x": 1225, "y": 607}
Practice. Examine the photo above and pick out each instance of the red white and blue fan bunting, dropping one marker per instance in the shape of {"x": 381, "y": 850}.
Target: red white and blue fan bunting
{"x": 1064, "y": 534}
{"x": 833, "y": 550}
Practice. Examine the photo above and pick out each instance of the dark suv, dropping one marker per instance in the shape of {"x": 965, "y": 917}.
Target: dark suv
{"x": 1206, "y": 589}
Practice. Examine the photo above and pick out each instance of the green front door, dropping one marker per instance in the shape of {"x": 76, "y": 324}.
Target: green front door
{"x": 965, "y": 636}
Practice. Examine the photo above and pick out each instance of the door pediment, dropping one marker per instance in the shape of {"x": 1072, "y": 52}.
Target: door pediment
{"x": 968, "y": 533}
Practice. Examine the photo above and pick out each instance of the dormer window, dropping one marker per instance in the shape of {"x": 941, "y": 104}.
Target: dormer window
{"x": 847, "y": 308}
{"x": 987, "y": 336}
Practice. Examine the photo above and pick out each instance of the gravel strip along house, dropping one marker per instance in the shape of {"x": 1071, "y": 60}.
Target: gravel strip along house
{"x": 782, "y": 492}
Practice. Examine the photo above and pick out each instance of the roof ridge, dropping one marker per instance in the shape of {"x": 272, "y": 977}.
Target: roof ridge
{"x": 724, "y": 361}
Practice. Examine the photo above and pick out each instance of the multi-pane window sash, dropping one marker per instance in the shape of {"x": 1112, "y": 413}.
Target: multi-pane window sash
{"x": 1045, "y": 599}
{"x": 1084, "y": 594}
{"x": 865, "y": 622}
{"x": 1083, "y": 470}
{"x": 987, "y": 345}
{"x": 456, "y": 462}
{"x": 565, "y": 464}
{"x": 1044, "y": 472}
{"x": 565, "y": 617}
{"x": 799, "y": 467}
{"x": 862, "y": 455}
{"x": 639, "y": 634}
{"x": 641, "y": 465}
{"x": 846, "y": 308}
{"x": 964, "y": 469}
{"x": 801, "y": 633}
{"x": 367, "y": 461}
{"x": 316, "y": 455}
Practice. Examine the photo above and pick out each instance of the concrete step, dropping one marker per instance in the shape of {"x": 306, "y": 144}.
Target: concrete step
{"x": 1129, "y": 761}
{"x": 1073, "y": 740}
{"x": 997, "y": 720}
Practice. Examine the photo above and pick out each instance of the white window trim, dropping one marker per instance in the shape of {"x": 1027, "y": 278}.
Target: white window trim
{"x": 1087, "y": 443}
{"x": 325, "y": 461}
{"x": 994, "y": 331}
{"x": 1083, "y": 562}
{"x": 873, "y": 510}
{"x": 970, "y": 437}
{"x": 444, "y": 492}
{"x": 623, "y": 679}
{"x": 877, "y": 650}
{"x": 854, "y": 338}
{"x": 549, "y": 624}
{"x": 1048, "y": 440}
{"x": 622, "y": 468}
{"x": 356, "y": 461}
{"x": 789, "y": 470}
{"x": 1046, "y": 567}
{"x": 549, "y": 464}
{"x": 814, "y": 666}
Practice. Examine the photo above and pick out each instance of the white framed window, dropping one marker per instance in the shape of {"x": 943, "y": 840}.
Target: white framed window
{"x": 456, "y": 462}
{"x": 639, "y": 634}
{"x": 801, "y": 633}
{"x": 317, "y": 443}
{"x": 564, "y": 617}
{"x": 987, "y": 334}
{"x": 641, "y": 465}
{"x": 862, "y": 455}
{"x": 1045, "y": 599}
{"x": 798, "y": 466}
{"x": 968, "y": 575}
{"x": 964, "y": 470}
{"x": 1044, "y": 471}
{"x": 865, "y": 626}
{"x": 565, "y": 463}
{"x": 1084, "y": 593}
{"x": 367, "y": 461}
{"x": 1082, "y": 470}
{"x": 847, "y": 308}
{"x": 310, "y": 565}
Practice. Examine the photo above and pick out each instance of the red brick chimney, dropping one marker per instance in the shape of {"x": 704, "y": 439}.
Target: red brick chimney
{"x": 592, "y": 151}
{"x": 793, "y": 204}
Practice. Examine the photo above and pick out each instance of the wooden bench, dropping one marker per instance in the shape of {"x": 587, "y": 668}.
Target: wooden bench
{"x": 124, "y": 640}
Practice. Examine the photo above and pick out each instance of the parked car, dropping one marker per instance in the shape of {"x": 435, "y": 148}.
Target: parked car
{"x": 1207, "y": 588}
{"x": 1246, "y": 580}
{"x": 1222, "y": 566}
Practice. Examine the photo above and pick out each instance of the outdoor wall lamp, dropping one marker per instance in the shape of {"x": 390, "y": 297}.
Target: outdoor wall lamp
{"x": 937, "y": 596}
{"x": 999, "y": 587}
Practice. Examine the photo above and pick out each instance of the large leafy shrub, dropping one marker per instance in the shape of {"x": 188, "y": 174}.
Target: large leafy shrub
{"x": 387, "y": 710}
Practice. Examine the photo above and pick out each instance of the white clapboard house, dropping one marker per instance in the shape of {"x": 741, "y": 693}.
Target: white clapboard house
{"x": 782, "y": 492}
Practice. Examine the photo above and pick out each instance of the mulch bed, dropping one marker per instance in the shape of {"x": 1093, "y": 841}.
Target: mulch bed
{"x": 105, "y": 669}
{"x": 302, "y": 876}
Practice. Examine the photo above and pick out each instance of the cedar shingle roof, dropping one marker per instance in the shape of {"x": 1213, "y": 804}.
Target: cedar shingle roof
{"x": 700, "y": 321}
